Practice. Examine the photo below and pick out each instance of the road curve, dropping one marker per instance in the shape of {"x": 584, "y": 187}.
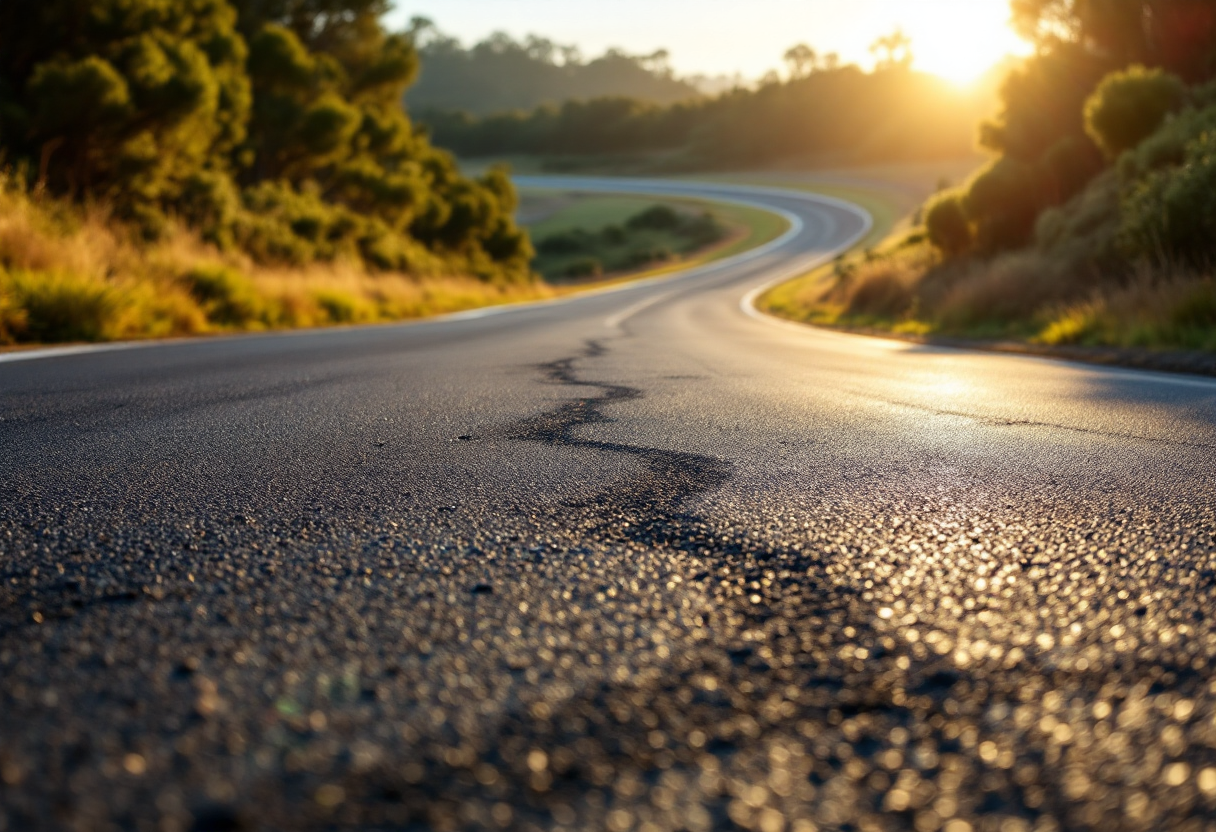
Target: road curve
{"x": 640, "y": 559}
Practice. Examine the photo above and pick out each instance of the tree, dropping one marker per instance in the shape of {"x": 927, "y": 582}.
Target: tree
{"x": 801, "y": 60}
{"x": 1178, "y": 35}
{"x": 273, "y": 125}
{"x": 1129, "y": 106}
{"x": 893, "y": 50}
{"x": 947, "y": 224}
{"x": 125, "y": 99}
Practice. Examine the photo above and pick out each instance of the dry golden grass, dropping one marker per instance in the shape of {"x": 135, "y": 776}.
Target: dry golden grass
{"x": 73, "y": 274}
{"x": 1163, "y": 307}
{"x": 905, "y": 288}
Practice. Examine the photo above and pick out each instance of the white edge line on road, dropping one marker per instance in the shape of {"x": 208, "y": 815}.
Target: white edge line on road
{"x": 649, "y": 187}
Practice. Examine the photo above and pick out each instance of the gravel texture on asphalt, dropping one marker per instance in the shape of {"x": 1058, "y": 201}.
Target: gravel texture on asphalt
{"x": 633, "y": 562}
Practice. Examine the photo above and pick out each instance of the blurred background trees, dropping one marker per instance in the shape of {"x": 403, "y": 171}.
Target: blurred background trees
{"x": 502, "y": 74}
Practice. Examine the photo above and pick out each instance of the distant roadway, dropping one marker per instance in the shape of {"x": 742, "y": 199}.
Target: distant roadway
{"x": 643, "y": 559}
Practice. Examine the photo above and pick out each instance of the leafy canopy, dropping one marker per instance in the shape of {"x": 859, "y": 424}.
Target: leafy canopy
{"x": 273, "y": 125}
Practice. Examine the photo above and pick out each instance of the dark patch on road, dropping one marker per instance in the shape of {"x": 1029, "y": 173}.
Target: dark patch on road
{"x": 643, "y": 509}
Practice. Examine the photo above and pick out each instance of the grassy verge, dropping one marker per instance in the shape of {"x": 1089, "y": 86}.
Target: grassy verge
{"x": 800, "y": 299}
{"x": 549, "y": 213}
{"x": 1021, "y": 301}
{"x": 72, "y": 274}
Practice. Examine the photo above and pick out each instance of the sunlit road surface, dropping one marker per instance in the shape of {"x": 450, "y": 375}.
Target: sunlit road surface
{"x": 637, "y": 560}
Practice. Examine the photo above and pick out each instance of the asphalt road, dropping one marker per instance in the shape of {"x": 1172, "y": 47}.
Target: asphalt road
{"x": 637, "y": 560}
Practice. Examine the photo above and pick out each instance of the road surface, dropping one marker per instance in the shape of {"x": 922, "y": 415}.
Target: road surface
{"x": 636, "y": 560}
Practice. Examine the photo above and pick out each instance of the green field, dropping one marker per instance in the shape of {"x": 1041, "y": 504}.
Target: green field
{"x": 642, "y": 251}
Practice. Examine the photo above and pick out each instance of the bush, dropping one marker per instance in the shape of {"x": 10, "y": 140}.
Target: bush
{"x": 344, "y": 308}
{"x": 644, "y": 257}
{"x": 656, "y": 218}
{"x": 586, "y": 267}
{"x": 1003, "y": 201}
{"x": 575, "y": 241}
{"x": 1004, "y": 292}
{"x": 228, "y": 297}
{"x": 62, "y": 307}
{"x": 613, "y": 235}
{"x": 1170, "y": 215}
{"x": 13, "y": 318}
{"x": 1129, "y": 106}
{"x": 1167, "y": 146}
{"x": 947, "y": 224}
{"x": 1082, "y": 232}
{"x": 702, "y": 230}
{"x": 881, "y": 293}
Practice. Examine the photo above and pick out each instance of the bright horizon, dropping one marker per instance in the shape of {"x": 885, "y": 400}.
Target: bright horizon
{"x": 956, "y": 39}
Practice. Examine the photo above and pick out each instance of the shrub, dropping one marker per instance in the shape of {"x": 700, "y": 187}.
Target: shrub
{"x": 1007, "y": 290}
{"x": 1069, "y": 165}
{"x": 702, "y": 230}
{"x": 1129, "y": 106}
{"x": 644, "y": 257}
{"x": 613, "y": 235}
{"x": 13, "y": 318}
{"x": 227, "y": 296}
{"x": 343, "y": 307}
{"x": 1003, "y": 201}
{"x": 1081, "y": 233}
{"x": 63, "y": 307}
{"x": 656, "y": 218}
{"x": 586, "y": 267}
{"x": 947, "y": 225}
{"x": 1167, "y": 146}
{"x": 880, "y": 292}
{"x": 575, "y": 241}
{"x": 1170, "y": 214}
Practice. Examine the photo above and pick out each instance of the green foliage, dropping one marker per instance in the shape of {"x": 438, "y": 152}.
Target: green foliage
{"x": 1167, "y": 146}
{"x": 228, "y": 297}
{"x": 888, "y": 115}
{"x": 947, "y": 224}
{"x": 658, "y": 217}
{"x": 1003, "y": 201}
{"x": 884, "y": 295}
{"x": 655, "y": 234}
{"x": 274, "y": 126}
{"x": 1169, "y": 215}
{"x": 1129, "y": 106}
{"x": 502, "y": 75}
{"x": 13, "y": 317}
{"x": 58, "y": 307}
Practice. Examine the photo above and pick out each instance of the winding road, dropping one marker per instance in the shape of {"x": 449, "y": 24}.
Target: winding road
{"x": 635, "y": 560}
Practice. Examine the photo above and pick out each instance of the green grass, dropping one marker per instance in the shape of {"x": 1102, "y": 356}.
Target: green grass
{"x": 594, "y": 212}
{"x": 555, "y": 212}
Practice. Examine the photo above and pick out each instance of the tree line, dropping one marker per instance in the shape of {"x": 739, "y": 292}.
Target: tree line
{"x": 502, "y": 74}
{"x": 822, "y": 109}
{"x": 273, "y": 126}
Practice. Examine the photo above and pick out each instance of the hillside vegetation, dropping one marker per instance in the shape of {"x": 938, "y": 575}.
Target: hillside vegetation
{"x": 210, "y": 164}
{"x": 827, "y": 113}
{"x": 654, "y": 234}
{"x": 1092, "y": 223}
{"x": 502, "y": 74}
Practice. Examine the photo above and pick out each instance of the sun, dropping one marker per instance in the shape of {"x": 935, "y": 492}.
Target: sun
{"x": 960, "y": 40}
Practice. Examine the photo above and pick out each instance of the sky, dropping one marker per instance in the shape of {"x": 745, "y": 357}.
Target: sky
{"x": 957, "y": 39}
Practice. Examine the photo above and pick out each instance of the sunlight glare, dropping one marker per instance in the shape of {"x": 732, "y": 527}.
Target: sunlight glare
{"x": 961, "y": 41}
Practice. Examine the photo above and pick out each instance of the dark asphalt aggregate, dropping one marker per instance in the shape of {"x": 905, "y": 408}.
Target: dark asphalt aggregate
{"x": 633, "y": 561}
